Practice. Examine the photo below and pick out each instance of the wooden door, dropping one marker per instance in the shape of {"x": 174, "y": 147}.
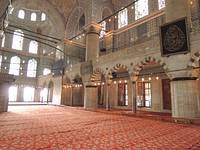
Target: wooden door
{"x": 166, "y": 94}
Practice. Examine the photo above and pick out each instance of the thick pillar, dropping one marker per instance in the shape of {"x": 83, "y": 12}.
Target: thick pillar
{"x": 108, "y": 82}
{"x": 91, "y": 97}
{"x": 92, "y": 40}
{"x": 107, "y": 97}
{"x": 5, "y": 81}
{"x": 4, "y": 97}
{"x": 185, "y": 98}
{"x": 134, "y": 102}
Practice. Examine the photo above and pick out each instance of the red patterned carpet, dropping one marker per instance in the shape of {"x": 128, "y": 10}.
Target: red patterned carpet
{"x": 59, "y": 128}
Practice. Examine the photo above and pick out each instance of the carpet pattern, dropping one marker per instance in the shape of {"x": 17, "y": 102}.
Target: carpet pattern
{"x": 60, "y": 128}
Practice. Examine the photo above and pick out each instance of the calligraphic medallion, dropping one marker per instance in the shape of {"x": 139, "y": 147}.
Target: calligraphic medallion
{"x": 174, "y": 39}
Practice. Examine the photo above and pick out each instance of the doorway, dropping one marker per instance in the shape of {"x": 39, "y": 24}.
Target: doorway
{"x": 166, "y": 94}
{"x": 12, "y": 93}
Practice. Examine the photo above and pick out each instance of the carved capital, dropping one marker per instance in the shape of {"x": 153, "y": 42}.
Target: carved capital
{"x": 92, "y": 27}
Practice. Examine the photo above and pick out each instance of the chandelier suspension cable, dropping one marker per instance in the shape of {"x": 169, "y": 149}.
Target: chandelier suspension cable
{"x": 107, "y": 17}
{"x": 35, "y": 32}
{"x": 32, "y": 36}
{"x": 44, "y": 44}
{"x": 118, "y": 11}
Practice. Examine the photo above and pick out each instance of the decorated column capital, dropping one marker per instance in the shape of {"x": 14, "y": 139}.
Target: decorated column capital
{"x": 108, "y": 79}
{"x": 183, "y": 74}
{"x": 92, "y": 28}
{"x": 133, "y": 77}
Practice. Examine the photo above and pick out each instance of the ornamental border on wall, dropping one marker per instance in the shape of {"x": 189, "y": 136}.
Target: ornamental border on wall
{"x": 174, "y": 38}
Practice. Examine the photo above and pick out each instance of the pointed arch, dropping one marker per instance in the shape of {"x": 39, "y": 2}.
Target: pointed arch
{"x": 146, "y": 60}
{"x": 117, "y": 67}
{"x": 108, "y": 24}
{"x": 193, "y": 60}
{"x": 96, "y": 72}
{"x": 74, "y": 21}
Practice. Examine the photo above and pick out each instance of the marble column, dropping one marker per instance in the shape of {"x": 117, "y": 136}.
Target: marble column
{"x": 108, "y": 82}
{"x": 134, "y": 102}
{"x": 90, "y": 97}
{"x": 71, "y": 94}
{"x": 107, "y": 97}
{"x": 185, "y": 97}
{"x": 92, "y": 41}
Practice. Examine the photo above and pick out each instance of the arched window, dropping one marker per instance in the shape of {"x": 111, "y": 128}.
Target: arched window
{"x": 33, "y": 17}
{"x": 21, "y": 14}
{"x": 17, "y": 42}
{"x": 161, "y": 4}
{"x": 141, "y": 9}
{"x": 32, "y": 66}
{"x": 103, "y": 31}
{"x": 14, "y": 65}
{"x": 33, "y": 47}
{"x": 43, "y": 17}
{"x": 46, "y": 71}
{"x": 122, "y": 18}
{"x": 0, "y": 61}
{"x": 3, "y": 41}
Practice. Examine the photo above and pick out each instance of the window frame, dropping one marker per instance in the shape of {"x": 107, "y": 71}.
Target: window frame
{"x": 21, "y": 14}
{"x": 33, "y": 16}
{"x": 14, "y": 65}
{"x": 123, "y": 18}
{"x": 33, "y": 47}
{"x": 43, "y": 17}
{"x": 18, "y": 39}
{"x": 140, "y": 7}
{"x": 31, "y": 68}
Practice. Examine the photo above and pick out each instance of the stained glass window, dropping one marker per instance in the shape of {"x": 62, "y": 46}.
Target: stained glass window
{"x": 122, "y": 18}
{"x": 14, "y": 65}
{"x": 161, "y": 4}
{"x": 141, "y": 9}
{"x": 32, "y": 66}
{"x": 33, "y": 47}
{"x": 103, "y": 31}
{"x": 17, "y": 42}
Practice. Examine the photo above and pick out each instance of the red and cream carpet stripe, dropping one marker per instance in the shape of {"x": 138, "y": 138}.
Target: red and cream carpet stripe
{"x": 60, "y": 128}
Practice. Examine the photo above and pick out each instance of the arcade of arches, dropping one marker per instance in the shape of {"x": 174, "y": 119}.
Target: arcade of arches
{"x": 78, "y": 64}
